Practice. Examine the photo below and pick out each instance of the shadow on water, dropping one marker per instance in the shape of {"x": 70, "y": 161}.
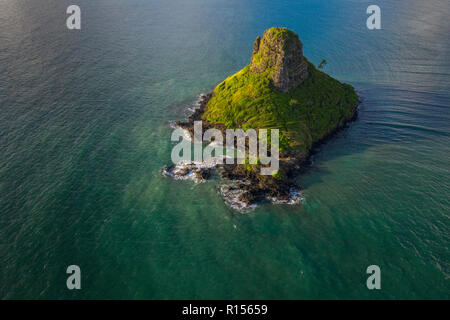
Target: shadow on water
{"x": 387, "y": 114}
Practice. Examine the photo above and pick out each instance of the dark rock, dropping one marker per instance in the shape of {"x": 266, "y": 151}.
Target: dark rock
{"x": 280, "y": 51}
{"x": 203, "y": 174}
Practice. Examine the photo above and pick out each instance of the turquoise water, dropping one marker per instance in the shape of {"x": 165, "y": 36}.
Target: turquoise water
{"x": 84, "y": 133}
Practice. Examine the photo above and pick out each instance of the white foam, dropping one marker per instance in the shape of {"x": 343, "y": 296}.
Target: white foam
{"x": 231, "y": 196}
{"x": 186, "y": 133}
{"x": 295, "y": 198}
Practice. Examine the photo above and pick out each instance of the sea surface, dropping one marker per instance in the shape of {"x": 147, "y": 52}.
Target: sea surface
{"x": 85, "y": 131}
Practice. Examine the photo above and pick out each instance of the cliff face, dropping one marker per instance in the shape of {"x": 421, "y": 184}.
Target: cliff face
{"x": 279, "y": 52}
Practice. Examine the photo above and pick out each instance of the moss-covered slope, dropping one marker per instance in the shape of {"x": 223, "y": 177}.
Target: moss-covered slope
{"x": 259, "y": 96}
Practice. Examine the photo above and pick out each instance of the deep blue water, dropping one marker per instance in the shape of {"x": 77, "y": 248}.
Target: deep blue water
{"x": 84, "y": 133}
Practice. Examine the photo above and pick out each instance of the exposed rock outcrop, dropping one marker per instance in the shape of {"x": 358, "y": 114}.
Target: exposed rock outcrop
{"x": 280, "y": 52}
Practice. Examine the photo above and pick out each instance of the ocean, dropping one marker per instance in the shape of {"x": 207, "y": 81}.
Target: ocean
{"x": 85, "y": 132}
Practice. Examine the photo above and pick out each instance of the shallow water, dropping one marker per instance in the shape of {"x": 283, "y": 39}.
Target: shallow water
{"x": 85, "y": 130}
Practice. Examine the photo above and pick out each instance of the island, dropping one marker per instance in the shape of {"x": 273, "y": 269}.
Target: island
{"x": 279, "y": 89}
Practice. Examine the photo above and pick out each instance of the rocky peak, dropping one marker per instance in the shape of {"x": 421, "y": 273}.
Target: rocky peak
{"x": 279, "y": 52}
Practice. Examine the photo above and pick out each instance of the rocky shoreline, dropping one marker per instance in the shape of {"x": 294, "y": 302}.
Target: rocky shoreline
{"x": 242, "y": 189}
{"x": 280, "y": 89}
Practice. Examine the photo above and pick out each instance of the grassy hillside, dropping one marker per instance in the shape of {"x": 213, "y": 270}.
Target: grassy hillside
{"x": 303, "y": 115}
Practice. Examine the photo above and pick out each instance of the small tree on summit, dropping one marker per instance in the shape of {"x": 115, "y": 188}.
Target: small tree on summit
{"x": 322, "y": 64}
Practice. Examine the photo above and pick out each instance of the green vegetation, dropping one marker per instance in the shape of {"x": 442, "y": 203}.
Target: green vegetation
{"x": 282, "y": 34}
{"x": 304, "y": 115}
{"x": 277, "y": 175}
